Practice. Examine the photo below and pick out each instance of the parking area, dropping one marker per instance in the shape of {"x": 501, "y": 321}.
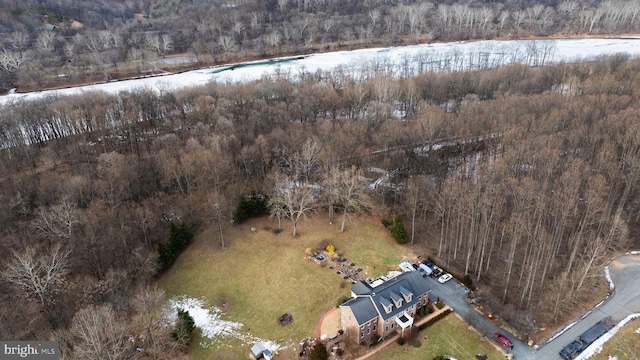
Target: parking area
{"x": 454, "y": 294}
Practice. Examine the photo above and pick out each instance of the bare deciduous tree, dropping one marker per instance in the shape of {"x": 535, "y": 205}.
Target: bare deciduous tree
{"x": 227, "y": 44}
{"x": 162, "y": 44}
{"x": 296, "y": 198}
{"x": 100, "y": 334}
{"x": 274, "y": 38}
{"x": 306, "y": 160}
{"x": 58, "y": 221}
{"x": 38, "y": 273}
{"x": 19, "y": 40}
{"x": 220, "y": 208}
{"x": 11, "y": 61}
{"x": 351, "y": 192}
{"x": 46, "y": 41}
{"x": 152, "y": 326}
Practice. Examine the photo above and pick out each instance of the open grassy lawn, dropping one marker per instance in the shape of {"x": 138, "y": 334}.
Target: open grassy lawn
{"x": 624, "y": 345}
{"x": 260, "y": 276}
{"x": 449, "y": 336}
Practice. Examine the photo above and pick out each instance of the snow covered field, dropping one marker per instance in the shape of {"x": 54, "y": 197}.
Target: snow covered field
{"x": 214, "y": 329}
{"x": 452, "y": 56}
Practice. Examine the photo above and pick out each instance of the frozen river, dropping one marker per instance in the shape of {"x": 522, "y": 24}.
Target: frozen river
{"x": 398, "y": 61}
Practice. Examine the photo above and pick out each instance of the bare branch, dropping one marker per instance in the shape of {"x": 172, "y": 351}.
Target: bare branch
{"x": 100, "y": 333}
{"x": 38, "y": 274}
{"x": 11, "y": 61}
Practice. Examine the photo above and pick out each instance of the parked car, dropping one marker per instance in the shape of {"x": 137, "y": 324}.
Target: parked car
{"x": 444, "y": 278}
{"x": 436, "y": 271}
{"x": 425, "y": 270}
{"x": 572, "y": 350}
{"x": 415, "y": 266}
{"x": 503, "y": 340}
{"x": 405, "y": 266}
{"x": 428, "y": 263}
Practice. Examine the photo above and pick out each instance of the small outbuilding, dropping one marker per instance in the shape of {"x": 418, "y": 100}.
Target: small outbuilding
{"x": 259, "y": 351}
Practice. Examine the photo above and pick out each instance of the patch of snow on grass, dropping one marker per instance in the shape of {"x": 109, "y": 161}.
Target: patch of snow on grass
{"x": 207, "y": 319}
{"x": 596, "y": 347}
{"x": 214, "y": 329}
{"x": 637, "y": 331}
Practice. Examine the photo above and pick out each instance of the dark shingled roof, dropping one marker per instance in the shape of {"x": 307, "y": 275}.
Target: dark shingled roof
{"x": 362, "y": 309}
{"x": 405, "y": 292}
{"x": 368, "y": 303}
{"x": 361, "y": 288}
{"x": 409, "y": 280}
{"x": 395, "y": 297}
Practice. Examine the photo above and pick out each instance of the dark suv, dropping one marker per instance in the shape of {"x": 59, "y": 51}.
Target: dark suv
{"x": 572, "y": 350}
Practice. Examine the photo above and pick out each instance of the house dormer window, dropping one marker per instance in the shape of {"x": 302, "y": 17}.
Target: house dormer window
{"x": 397, "y": 299}
{"x": 386, "y": 305}
{"x": 406, "y": 294}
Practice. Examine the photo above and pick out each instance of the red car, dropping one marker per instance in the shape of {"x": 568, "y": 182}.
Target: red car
{"x": 503, "y": 340}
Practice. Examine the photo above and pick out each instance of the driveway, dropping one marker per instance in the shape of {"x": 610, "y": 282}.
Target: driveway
{"x": 624, "y": 300}
{"x": 455, "y": 295}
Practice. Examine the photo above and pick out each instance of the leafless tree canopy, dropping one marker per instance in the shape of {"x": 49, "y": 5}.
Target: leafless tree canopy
{"x": 524, "y": 177}
{"x": 48, "y": 44}
{"x": 38, "y": 273}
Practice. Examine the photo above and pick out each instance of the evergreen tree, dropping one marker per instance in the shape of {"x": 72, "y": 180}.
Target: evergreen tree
{"x": 241, "y": 214}
{"x": 183, "y": 331}
{"x": 255, "y": 205}
{"x": 179, "y": 238}
{"x": 166, "y": 255}
{"x": 319, "y": 352}
{"x": 399, "y": 232}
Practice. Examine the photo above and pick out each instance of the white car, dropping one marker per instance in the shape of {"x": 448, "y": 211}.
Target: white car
{"x": 444, "y": 278}
{"x": 406, "y": 266}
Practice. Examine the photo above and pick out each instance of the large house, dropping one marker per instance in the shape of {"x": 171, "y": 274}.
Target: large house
{"x": 383, "y": 307}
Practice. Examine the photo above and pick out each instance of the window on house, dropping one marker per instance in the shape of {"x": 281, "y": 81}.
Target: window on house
{"x": 386, "y": 328}
{"x": 392, "y": 325}
{"x": 374, "y": 328}
{"x": 361, "y": 327}
{"x": 368, "y": 331}
{"x": 362, "y": 334}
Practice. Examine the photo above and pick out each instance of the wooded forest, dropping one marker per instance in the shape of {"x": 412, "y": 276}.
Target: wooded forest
{"x": 523, "y": 177}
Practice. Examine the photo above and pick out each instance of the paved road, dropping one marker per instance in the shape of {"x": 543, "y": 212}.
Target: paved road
{"x": 455, "y": 295}
{"x": 624, "y": 300}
